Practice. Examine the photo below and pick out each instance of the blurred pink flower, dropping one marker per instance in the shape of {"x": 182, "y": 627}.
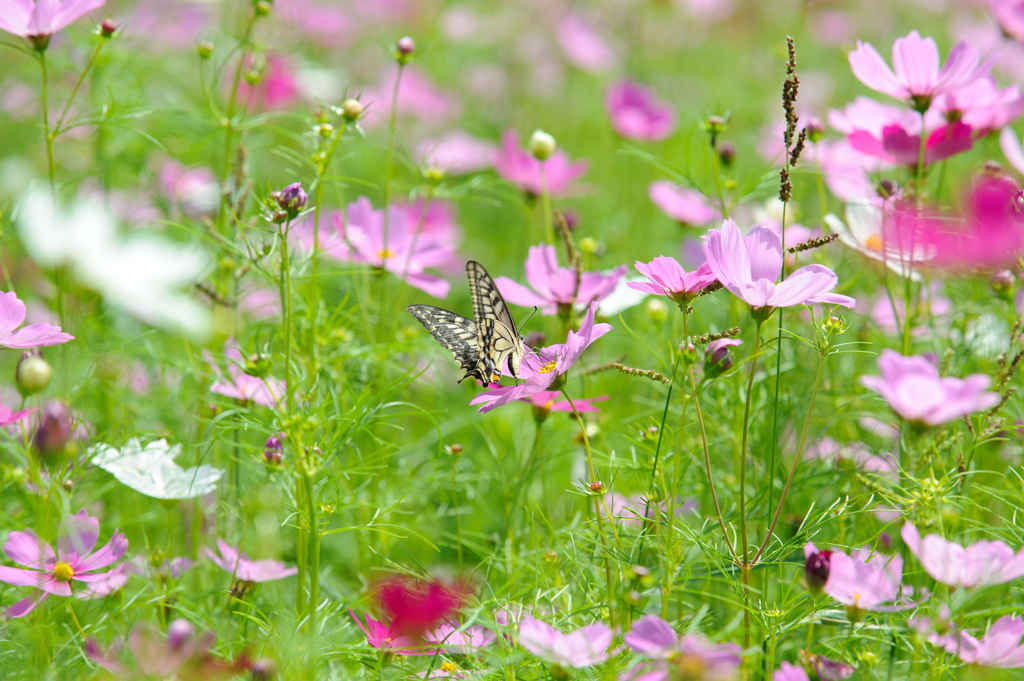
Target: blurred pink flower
{"x": 327, "y": 24}
{"x": 548, "y": 400}
{"x": 457, "y": 153}
{"x": 870, "y": 115}
{"x": 18, "y": 100}
{"x": 51, "y": 572}
{"x": 584, "y": 47}
{"x": 654, "y": 639}
{"x": 686, "y": 206}
{"x": 382, "y": 638}
{"x": 1001, "y": 647}
{"x": 523, "y": 170}
{"x": 846, "y": 170}
{"x": 260, "y": 302}
{"x": 864, "y": 582}
{"x": 438, "y": 220}
{"x": 917, "y": 77}
{"x": 195, "y": 191}
{"x": 980, "y": 564}
{"x": 31, "y": 18}
{"x": 239, "y": 385}
{"x": 1011, "y": 147}
{"x": 333, "y": 243}
{"x": 417, "y": 97}
{"x": 554, "y": 286}
{"x": 668, "y": 278}
{"x": 159, "y": 23}
{"x": 1009, "y": 14}
{"x": 882, "y": 311}
{"x": 181, "y": 655}
{"x": 418, "y": 606}
{"x": 914, "y": 390}
{"x": 542, "y": 368}
{"x": 448, "y": 638}
{"x": 748, "y": 266}
{"x": 637, "y": 113}
{"x": 12, "y": 315}
{"x": 898, "y": 147}
{"x": 584, "y": 647}
{"x": 276, "y": 89}
{"x": 9, "y": 417}
{"x": 789, "y": 672}
{"x": 241, "y": 567}
{"x": 981, "y": 105}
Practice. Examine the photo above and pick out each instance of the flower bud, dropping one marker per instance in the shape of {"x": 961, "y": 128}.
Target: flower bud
{"x": 351, "y": 109}
{"x": 815, "y": 129}
{"x": 816, "y": 570}
{"x": 273, "y": 451}
{"x": 689, "y": 354}
{"x": 657, "y": 310}
{"x": 40, "y": 42}
{"x": 33, "y": 373}
{"x": 324, "y": 129}
{"x": 405, "y": 47}
{"x": 640, "y": 573}
{"x": 833, "y": 325}
{"x": 542, "y": 145}
{"x": 1003, "y": 282}
{"x": 597, "y": 487}
{"x": 717, "y": 359}
{"x": 257, "y": 366}
{"x": 550, "y": 556}
{"x": 252, "y": 76}
{"x": 727, "y": 153}
{"x": 886, "y": 188}
{"x": 179, "y": 633}
{"x": 715, "y": 126}
{"x": 292, "y": 199}
{"x": 205, "y": 49}
{"x": 434, "y": 175}
{"x": 456, "y": 449}
{"x": 107, "y": 28}
{"x": 54, "y": 430}
{"x": 264, "y": 670}
{"x": 69, "y": 485}
{"x": 572, "y": 220}
{"x": 262, "y": 8}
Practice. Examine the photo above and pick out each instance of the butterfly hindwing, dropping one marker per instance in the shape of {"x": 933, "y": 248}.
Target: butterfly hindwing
{"x": 459, "y": 335}
{"x": 499, "y": 336}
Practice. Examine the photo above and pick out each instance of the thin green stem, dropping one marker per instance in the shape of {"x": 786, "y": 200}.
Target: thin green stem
{"x": 74, "y": 90}
{"x": 455, "y": 510}
{"x": 286, "y": 300}
{"x": 907, "y": 324}
{"x": 745, "y": 565}
{"x": 545, "y": 201}
{"x": 717, "y": 166}
{"x": 314, "y": 558}
{"x": 46, "y": 125}
{"x": 228, "y": 123}
{"x": 390, "y": 151}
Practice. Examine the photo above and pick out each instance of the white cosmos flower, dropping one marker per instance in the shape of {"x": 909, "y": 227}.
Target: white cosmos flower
{"x": 863, "y": 232}
{"x": 151, "y": 470}
{"x": 621, "y": 298}
{"x": 143, "y": 274}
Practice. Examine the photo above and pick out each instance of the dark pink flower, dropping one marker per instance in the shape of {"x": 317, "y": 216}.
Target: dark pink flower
{"x": 416, "y": 607}
{"x": 686, "y": 206}
{"x": 12, "y": 315}
{"x": 32, "y": 18}
{"x": 277, "y": 88}
{"x": 668, "y": 278}
{"x": 816, "y": 567}
{"x": 383, "y": 638}
{"x": 584, "y": 47}
{"x": 585, "y": 647}
{"x": 637, "y": 114}
{"x": 555, "y": 286}
{"x": 915, "y": 76}
{"x": 1001, "y": 647}
{"x": 53, "y": 573}
{"x": 244, "y": 568}
{"x": 240, "y": 385}
{"x": 914, "y": 389}
{"x": 457, "y": 153}
{"x": 654, "y": 639}
{"x": 519, "y": 167}
{"x": 898, "y": 147}
{"x": 981, "y": 563}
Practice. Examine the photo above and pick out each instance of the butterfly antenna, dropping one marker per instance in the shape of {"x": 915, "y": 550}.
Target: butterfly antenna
{"x": 523, "y": 328}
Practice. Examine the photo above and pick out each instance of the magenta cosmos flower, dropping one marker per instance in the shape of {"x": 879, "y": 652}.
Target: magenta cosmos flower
{"x": 899, "y": 147}
{"x": 523, "y": 170}
{"x": 1000, "y": 647}
{"x": 556, "y": 288}
{"x": 31, "y": 19}
{"x": 981, "y": 563}
{"x": 914, "y": 389}
{"x": 655, "y": 639}
{"x": 52, "y": 572}
{"x": 240, "y": 385}
{"x": 637, "y": 113}
{"x": 915, "y": 76}
{"x": 749, "y": 266}
{"x": 543, "y": 369}
{"x": 861, "y": 581}
{"x": 982, "y": 105}
{"x": 582, "y": 648}
{"x": 668, "y": 278}
{"x": 381, "y": 637}
{"x": 278, "y": 87}
{"x": 685, "y": 206}
{"x": 547, "y": 401}
{"x": 246, "y": 569}
{"x": 12, "y": 315}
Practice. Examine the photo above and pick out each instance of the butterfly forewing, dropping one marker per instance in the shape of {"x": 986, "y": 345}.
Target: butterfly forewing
{"x": 458, "y": 334}
{"x": 500, "y": 339}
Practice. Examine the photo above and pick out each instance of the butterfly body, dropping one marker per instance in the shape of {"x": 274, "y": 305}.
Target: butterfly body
{"x": 482, "y": 345}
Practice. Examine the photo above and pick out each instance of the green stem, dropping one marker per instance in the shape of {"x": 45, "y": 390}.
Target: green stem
{"x": 455, "y": 510}
{"x": 229, "y": 126}
{"x": 286, "y": 301}
{"x": 389, "y": 152}
{"x": 745, "y": 565}
{"x": 545, "y": 201}
{"x": 78, "y": 84}
{"x": 716, "y": 165}
{"x": 46, "y": 125}
{"x": 314, "y": 558}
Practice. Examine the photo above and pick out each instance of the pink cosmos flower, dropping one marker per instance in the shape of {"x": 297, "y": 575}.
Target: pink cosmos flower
{"x": 195, "y": 191}
{"x": 449, "y": 638}
{"x": 260, "y": 302}
{"x": 981, "y": 105}
{"x": 1009, "y": 14}
{"x": 914, "y": 390}
{"x": 915, "y": 76}
{"x": 31, "y": 18}
{"x": 523, "y": 170}
{"x": 826, "y": 669}
{"x": 557, "y": 287}
{"x": 582, "y": 648}
{"x": 12, "y": 315}
{"x": 1011, "y": 147}
{"x": 9, "y": 417}
{"x": 245, "y": 569}
{"x": 655, "y": 639}
{"x": 846, "y": 170}
{"x": 240, "y": 385}
{"x": 584, "y": 47}
{"x": 981, "y": 563}
{"x": 789, "y": 672}
{"x": 438, "y": 221}
{"x": 416, "y": 607}
{"x": 1001, "y": 647}
{"x": 326, "y": 23}
{"x": 863, "y": 582}
{"x": 864, "y": 113}
{"x": 53, "y": 573}
{"x": 668, "y": 278}
{"x": 277, "y": 89}
{"x": 547, "y": 401}
{"x": 685, "y": 206}
{"x": 457, "y": 153}
{"x": 882, "y": 310}
{"x": 749, "y": 267}
{"x": 898, "y": 147}
{"x": 418, "y": 98}
{"x": 637, "y": 113}
{"x": 381, "y": 637}
{"x": 542, "y": 368}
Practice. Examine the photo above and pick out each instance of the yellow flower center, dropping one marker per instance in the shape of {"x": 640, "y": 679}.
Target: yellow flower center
{"x": 447, "y": 666}
{"x": 548, "y": 404}
{"x": 547, "y": 368}
{"x": 386, "y": 640}
{"x": 385, "y": 254}
{"x": 62, "y": 572}
{"x": 874, "y": 243}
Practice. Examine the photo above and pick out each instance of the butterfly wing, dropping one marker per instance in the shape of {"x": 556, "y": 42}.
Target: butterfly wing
{"x": 499, "y": 336}
{"x": 459, "y": 335}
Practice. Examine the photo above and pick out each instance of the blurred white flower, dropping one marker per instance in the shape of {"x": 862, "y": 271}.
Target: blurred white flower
{"x": 151, "y": 470}
{"x": 142, "y": 274}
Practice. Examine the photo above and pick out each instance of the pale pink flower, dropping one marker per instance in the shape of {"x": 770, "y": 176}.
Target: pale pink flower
{"x": 864, "y": 582}
{"x": 915, "y": 76}
{"x": 554, "y": 287}
{"x": 872, "y": 116}
{"x": 162, "y": 24}
{"x": 654, "y": 639}
{"x": 982, "y": 105}
{"x": 32, "y": 18}
{"x": 980, "y": 564}
{"x": 9, "y": 417}
{"x": 882, "y": 311}
{"x": 749, "y": 267}
{"x": 1001, "y": 647}
{"x": 241, "y": 567}
{"x": 637, "y": 113}
{"x": 847, "y": 171}
{"x": 584, "y": 647}
{"x": 789, "y": 672}
{"x": 457, "y": 153}
{"x": 325, "y": 23}
{"x": 1009, "y": 14}
{"x": 277, "y": 88}
{"x": 418, "y": 98}
{"x": 584, "y": 47}
{"x": 519, "y": 167}
{"x": 260, "y": 302}
{"x": 438, "y": 220}
{"x": 913, "y": 388}
{"x": 12, "y": 315}
{"x": 195, "y": 191}
{"x": 332, "y": 239}
{"x": 53, "y": 572}
{"x": 668, "y": 278}
{"x": 686, "y": 206}
{"x": 239, "y": 385}
{"x": 468, "y": 641}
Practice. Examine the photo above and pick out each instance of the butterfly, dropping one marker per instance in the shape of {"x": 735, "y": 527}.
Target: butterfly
{"x": 483, "y": 344}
